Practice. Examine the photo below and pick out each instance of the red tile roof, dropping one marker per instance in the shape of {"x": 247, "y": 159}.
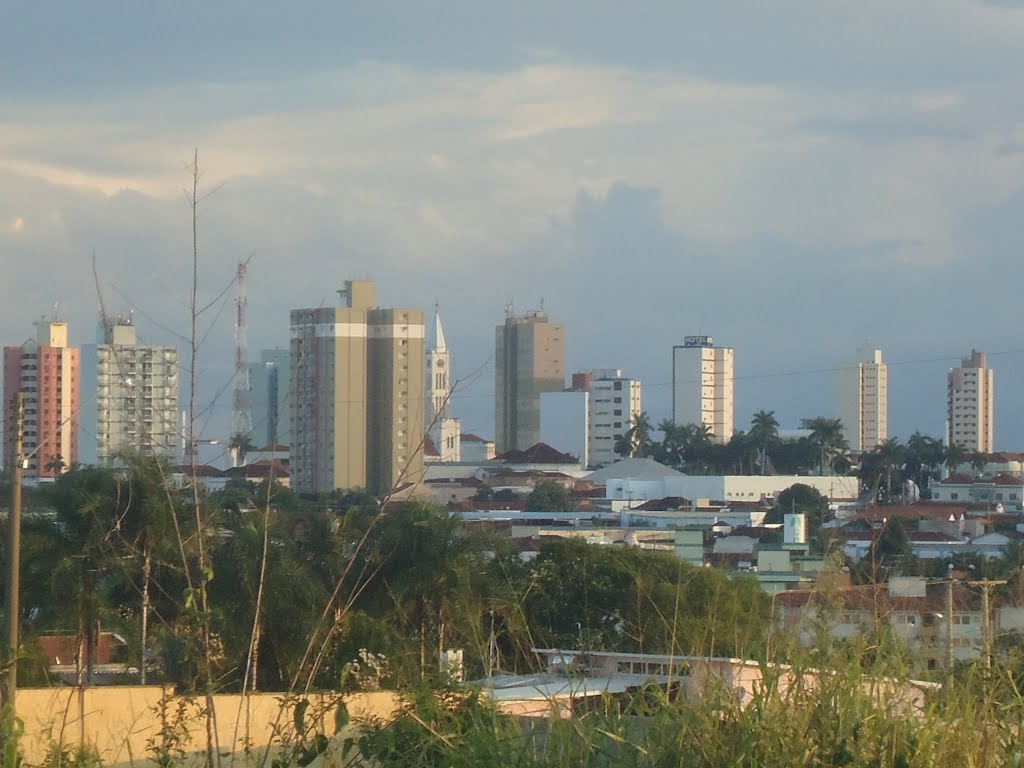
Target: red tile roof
{"x": 1005, "y": 479}
{"x": 259, "y": 469}
{"x": 469, "y": 437}
{"x": 927, "y": 510}
{"x": 875, "y": 597}
{"x": 1004, "y": 457}
{"x": 665, "y": 504}
{"x": 202, "y": 470}
{"x": 539, "y": 453}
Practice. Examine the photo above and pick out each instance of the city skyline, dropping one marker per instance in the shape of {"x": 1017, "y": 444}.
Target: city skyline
{"x": 605, "y": 166}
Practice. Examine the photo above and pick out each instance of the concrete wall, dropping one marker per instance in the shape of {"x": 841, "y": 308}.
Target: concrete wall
{"x": 122, "y": 723}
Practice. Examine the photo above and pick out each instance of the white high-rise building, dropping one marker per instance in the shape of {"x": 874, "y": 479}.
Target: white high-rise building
{"x": 969, "y": 404}
{"x": 615, "y": 403}
{"x": 702, "y": 386}
{"x": 444, "y": 430}
{"x": 136, "y": 394}
{"x": 862, "y": 400}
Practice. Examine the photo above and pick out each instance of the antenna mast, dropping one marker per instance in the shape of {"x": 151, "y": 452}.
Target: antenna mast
{"x": 241, "y": 417}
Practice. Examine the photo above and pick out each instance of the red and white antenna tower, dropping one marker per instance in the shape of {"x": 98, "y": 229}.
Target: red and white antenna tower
{"x": 241, "y": 417}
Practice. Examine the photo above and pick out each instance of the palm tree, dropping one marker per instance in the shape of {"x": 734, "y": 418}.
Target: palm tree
{"x": 673, "y": 443}
{"x": 978, "y": 461}
{"x": 890, "y": 456}
{"x": 698, "y": 442}
{"x": 925, "y": 456}
{"x": 636, "y": 442}
{"x": 764, "y": 433}
{"x": 827, "y": 435}
{"x": 83, "y": 505}
{"x": 240, "y": 445}
{"x": 954, "y": 457}
{"x": 147, "y": 530}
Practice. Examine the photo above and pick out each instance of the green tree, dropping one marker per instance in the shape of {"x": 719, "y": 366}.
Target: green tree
{"x": 549, "y": 496}
{"x": 764, "y": 434}
{"x": 954, "y": 457}
{"x": 801, "y": 499}
{"x": 83, "y": 502}
{"x": 978, "y": 461}
{"x": 882, "y": 468}
{"x": 923, "y": 461}
{"x": 240, "y": 446}
{"x": 827, "y": 436}
{"x": 636, "y": 441}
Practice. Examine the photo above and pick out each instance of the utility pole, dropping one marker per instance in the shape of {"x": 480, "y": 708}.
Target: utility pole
{"x": 949, "y": 624}
{"x": 986, "y": 611}
{"x": 12, "y": 610}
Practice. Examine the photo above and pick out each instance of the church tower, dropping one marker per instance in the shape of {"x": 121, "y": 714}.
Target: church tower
{"x": 442, "y": 429}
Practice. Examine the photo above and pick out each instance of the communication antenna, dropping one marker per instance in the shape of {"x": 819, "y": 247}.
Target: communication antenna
{"x": 241, "y": 416}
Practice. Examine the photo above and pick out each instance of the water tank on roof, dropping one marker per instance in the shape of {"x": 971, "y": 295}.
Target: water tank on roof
{"x": 794, "y": 528}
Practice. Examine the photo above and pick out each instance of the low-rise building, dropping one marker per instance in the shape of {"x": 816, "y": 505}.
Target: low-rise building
{"x": 911, "y": 609}
{"x": 1003, "y": 489}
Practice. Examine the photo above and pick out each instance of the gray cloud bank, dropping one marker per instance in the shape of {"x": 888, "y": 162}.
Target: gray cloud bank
{"x": 793, "y": 181}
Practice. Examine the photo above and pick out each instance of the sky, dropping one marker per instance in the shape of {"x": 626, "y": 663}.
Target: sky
{"x": 795, "y": 179}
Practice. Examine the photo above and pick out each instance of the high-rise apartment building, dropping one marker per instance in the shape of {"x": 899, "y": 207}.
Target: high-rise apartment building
{"x": 529, "y": 353}
{"x": 356, "y": 394}
{"x": 269, "y": 380}
{"x": 130, "y": 395}
{"x": 444, "y": 430}
{"x": 702, "y": 386}
{"x": 862, "y": 400}
{"x": 969, "y": 404}
{"x": 615, "y": 403}
{"x": 45, "y": 370}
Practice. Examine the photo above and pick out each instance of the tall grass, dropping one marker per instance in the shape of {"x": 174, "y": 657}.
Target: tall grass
{"x": 852, "y": 709}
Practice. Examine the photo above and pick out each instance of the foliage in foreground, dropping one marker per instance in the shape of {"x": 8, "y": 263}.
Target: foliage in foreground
{"x": 849, "y": 718}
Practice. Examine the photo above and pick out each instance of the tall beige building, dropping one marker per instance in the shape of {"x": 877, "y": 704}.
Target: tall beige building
{"x": 862, "y": 399}
{"x": 970, "y": 422}
{"x": 702, "y": 386}
{"x": 529, "y": 353}
{"x": 356, "y": 394}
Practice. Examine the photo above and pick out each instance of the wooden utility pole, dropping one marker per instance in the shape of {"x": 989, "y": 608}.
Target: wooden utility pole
{"x": 986, "y": 611}
{"x": 12, "y": 610}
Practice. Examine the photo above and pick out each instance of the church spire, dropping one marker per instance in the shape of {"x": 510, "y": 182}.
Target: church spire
{"x": 439, "y": 345}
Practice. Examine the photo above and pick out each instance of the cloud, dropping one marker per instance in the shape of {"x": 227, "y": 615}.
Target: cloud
{"x": 775, "y": 177}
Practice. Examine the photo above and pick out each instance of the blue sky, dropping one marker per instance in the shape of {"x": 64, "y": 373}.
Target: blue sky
{"x": 793, "y": 178}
